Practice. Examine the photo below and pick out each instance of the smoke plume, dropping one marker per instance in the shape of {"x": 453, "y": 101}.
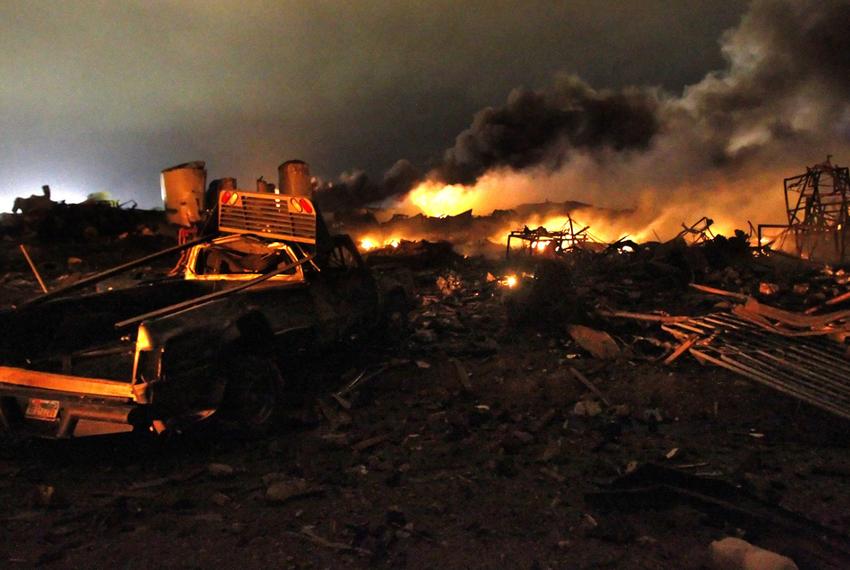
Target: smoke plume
{"x": 537, "y": 128}
{"x": 781, "y": 102}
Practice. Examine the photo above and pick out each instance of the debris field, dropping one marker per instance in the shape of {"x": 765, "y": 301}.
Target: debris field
{"x": 619, "y": 408}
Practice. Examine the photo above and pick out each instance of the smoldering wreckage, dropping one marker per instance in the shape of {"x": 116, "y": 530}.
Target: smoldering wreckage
{"x": 562, "y": 402}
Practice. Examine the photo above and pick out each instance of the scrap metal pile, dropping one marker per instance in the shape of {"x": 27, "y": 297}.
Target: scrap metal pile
{"x": 812, "y": 369}
{"x": 541, "y": 240}
{"x": 773, "y": 319}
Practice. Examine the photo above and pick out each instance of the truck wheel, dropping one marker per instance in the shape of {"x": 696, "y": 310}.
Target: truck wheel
{"x": 254, "y": 394}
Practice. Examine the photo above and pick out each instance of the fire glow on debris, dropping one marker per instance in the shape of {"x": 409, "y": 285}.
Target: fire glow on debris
{"x": 509, "y": 281}
{"x": 513, "y": 280}
{"x": 369, "y": 243}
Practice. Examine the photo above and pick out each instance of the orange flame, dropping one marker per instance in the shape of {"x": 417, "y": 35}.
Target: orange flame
{"x": 440, "y": 200}
{"x": 625, "y": 206}
{"x": 368, "y": 243}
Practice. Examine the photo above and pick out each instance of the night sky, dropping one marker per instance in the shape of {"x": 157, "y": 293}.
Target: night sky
{"x": 102, "y": 95}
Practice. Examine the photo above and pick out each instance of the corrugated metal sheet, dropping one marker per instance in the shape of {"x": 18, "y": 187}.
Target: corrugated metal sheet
{"x": 813, "y": 369}
{"x": 276, "y": 216}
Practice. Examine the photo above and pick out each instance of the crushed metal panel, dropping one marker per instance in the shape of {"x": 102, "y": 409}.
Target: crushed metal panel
{"x": 811, "y": 369}
{"x": 278, "y": 216}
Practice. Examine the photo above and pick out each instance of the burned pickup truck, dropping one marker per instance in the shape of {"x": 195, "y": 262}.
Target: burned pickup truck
{"x": 215, "y": 337}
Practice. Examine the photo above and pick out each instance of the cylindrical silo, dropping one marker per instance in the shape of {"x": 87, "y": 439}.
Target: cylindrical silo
{"x": 183, "y": 189}
{"x": 294, "y": 178}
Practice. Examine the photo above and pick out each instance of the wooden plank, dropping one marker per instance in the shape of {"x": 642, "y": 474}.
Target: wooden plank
{"x": 644, "y": 316}
{"x": 681, "y": 349}
{"x": 720, "y": 292}
{"x": 589, "y": 385}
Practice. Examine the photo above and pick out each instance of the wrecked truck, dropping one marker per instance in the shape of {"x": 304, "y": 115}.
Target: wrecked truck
{"x": 217, "y": 337}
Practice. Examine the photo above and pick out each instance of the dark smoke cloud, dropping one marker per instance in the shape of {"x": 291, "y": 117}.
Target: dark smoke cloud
{"x": 539, "y": 127}
{"x": 782, "y": 101}
{"x": 355, "y": 189}
{"x": 102, "y": 94}
{"x": 533, "y": 129}
{"x": 788, "y": 78}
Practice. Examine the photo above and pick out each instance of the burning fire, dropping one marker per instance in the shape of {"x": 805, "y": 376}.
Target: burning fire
{"x": 513, "y": 280}
{"x": 440, "y": 200}
{"x": 369, "y": 243}
{"x": 657, "y": 215}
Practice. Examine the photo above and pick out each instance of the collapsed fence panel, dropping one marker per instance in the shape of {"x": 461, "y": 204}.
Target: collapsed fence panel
{"x": 814, "y": 370}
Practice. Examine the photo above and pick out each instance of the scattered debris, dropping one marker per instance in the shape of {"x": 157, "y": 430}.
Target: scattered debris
{"x": 308, "y": 533}
{"x": 220, "y": 470}
{"x": 655, "y": 487}
{"x": 283, "y": 491}
{"x": 598, "y": 343}
{"x": 589, "y": 385}
{"x": 547, "y": 391}
{"x": 812, "y": 369}
{"x": 732, "y": 553}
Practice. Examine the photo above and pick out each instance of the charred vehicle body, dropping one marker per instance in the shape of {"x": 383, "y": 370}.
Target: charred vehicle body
{"x": 214, "y": 337}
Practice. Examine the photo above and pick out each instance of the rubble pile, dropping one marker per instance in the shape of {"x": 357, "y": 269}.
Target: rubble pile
{"x": 39, "y": 218}
{"x": 770, "y": 325}
{"x": 413, "y": 254}
{"x": 65, "y": 262}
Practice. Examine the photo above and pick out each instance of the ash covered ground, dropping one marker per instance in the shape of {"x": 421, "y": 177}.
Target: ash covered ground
{"x": 472, "y": 440}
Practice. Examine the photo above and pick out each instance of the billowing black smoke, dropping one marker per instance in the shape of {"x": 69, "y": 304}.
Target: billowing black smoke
{"x": 533, "y": 129}
{"x": 539, "y": 128}
{"x": 783, "y": 101}
{"x": 356, "y": 189}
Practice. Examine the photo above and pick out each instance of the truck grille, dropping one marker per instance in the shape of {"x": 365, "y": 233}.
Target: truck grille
{"x": 273, "y": 215}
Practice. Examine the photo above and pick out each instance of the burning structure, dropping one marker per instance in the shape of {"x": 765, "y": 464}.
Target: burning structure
{"x": 541, "y": 240}
{"x": 818, "y": 212}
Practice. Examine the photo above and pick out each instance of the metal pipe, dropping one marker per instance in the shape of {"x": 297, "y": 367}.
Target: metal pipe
{"x": 33, "y": 268}
{"x": 203, "y": 299}
{"x": 113, "y": 271}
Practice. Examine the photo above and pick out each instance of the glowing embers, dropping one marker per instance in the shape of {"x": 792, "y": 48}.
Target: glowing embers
{"x": 512, "y": 280}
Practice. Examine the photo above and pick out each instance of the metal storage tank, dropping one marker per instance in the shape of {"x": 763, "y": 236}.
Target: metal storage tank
{"x": 294, "y": 178}
{"x": 265, "y": 187}
{"x": 183, "y": 188}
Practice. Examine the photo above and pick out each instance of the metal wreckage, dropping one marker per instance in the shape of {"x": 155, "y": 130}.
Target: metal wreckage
{"x": 260, "y": 280}
{"x": 801, "y": 353}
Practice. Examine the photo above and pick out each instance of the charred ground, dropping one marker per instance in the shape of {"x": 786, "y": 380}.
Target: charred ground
{"x": 470, "y": 444}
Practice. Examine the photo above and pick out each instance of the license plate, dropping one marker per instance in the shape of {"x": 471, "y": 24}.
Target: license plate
{"x": 39, "y": 409}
